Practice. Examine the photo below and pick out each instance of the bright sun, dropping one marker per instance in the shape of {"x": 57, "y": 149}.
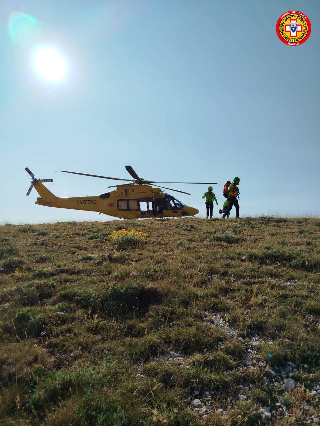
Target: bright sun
{"x": 49, "y": 64}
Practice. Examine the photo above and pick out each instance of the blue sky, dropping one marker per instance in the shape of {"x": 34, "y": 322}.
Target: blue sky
{"x": 178, "y": 89}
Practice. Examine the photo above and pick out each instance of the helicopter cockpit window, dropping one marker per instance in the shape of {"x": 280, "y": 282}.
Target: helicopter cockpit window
{"x": 172, "y": 203}
{"x": 177, "y": 203}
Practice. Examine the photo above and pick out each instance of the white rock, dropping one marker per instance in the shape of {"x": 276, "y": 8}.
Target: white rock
{"x": 254, "y": 342}
{"x": 201, "y": 410}
{"x": 196, "y": 403}
{"x": 289, "y": 384}
{"x": 289, "y": 283}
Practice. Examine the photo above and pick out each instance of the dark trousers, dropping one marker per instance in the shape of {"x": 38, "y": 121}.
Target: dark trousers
{"x": 209, "y": 205}
{"x": 232, "y": 201}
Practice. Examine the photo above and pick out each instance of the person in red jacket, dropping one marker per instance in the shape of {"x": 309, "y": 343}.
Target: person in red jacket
{"x": 232, "y": 200}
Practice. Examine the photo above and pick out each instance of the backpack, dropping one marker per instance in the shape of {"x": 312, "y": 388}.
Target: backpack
{"x": 226, "y": 189}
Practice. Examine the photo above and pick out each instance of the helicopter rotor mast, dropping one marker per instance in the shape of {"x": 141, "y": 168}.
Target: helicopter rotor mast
{"x": 146, "y": 182}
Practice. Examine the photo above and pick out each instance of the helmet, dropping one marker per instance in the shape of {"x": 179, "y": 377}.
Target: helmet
{"x": 236, "y": 179}
{"x": 210, "y": 188}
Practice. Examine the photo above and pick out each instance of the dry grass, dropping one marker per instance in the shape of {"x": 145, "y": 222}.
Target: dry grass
{"x": 201, "y": 323}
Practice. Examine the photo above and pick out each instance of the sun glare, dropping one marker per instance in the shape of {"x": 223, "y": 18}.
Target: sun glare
{"x": 50, "y": 64}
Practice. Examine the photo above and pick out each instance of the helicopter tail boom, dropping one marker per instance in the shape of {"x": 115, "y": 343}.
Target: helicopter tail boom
{"x": 47, "y": 198}
{"x": 44, "y": 192}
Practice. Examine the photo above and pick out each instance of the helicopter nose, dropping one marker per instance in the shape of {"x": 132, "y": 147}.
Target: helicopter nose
{"x": 193, "y": 211}
{"x": 189, "y": 211}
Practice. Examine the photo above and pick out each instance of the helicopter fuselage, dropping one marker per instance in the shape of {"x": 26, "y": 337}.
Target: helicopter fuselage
{"x": 127, "y": 201}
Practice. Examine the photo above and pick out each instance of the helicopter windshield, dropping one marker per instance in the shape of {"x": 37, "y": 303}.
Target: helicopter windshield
{"x": 173, "y": 203}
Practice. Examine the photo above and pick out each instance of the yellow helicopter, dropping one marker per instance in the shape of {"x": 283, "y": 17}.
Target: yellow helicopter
{"x": 137, "y": 199}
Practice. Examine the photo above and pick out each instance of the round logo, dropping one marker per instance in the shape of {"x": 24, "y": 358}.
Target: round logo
{"x": 293, "y": 28}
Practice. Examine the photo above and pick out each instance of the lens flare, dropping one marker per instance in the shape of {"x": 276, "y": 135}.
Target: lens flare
{"x": 50, "y": 64}
{"x": 23, "y": 28}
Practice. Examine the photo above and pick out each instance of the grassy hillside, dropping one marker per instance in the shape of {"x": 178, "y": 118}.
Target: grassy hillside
{"x": 197, "y": 323}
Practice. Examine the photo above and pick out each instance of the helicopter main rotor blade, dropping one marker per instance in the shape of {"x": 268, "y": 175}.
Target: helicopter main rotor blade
{"x": 170, "y": 189}
{"x": 102, "y": 177}
{"x": 133, "y": 173}
{"x": 189, "y": 183}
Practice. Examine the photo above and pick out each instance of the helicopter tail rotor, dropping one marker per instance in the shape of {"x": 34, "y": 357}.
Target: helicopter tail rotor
{"x": 30, "y": 172}
{"x": 34, "y": 180}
